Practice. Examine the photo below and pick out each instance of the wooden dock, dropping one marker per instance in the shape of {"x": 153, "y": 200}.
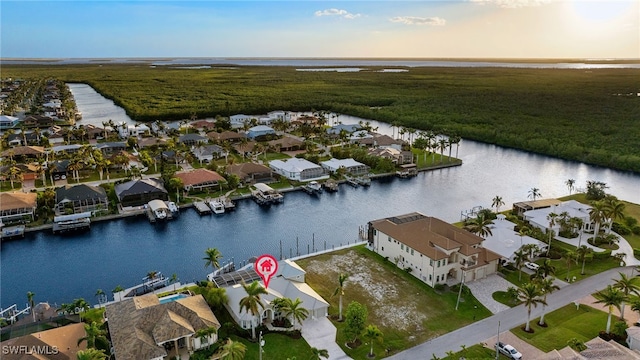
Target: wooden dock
{"x": 202, "y": 208}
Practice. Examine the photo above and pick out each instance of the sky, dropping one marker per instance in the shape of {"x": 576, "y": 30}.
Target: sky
{"x": 577, "y": 29}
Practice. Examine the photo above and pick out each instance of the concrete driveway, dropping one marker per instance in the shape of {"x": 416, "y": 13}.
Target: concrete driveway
{"x": 321, "y": 334}
{"x": 483, "y": 290}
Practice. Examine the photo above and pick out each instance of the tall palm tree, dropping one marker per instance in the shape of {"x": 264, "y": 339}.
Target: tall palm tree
{"x": 372, "y": 333}
{"x": 569, "y": 184}
{"x": 552, "y": 222}
{"x": 583, "y": 253}
{"x": 174, "y": 280}
{"x": 546, "y": 286}
{"x": 91, "y": 354}
{"x": 232, "y": 350}
{"x": 570, "y": 257}
{"x": 612, "y": 298}
{"x": 340, "y": 291}
{"x": 534, "y": 193}
{"x": 529, "y": 294}
{"x": 442, "y": 146}
{"x": 479, "y": 226}
{"x": 546, "y": 269}
{"x": 316, "y": 353}
{"x": 94, "y": 332}
{"x": 497, "y": 202}
{"x": 628, "y": 285}
{"x": 100, "y": 295}
{"x": 205, "y": 334}
{"x": 520, "y": 257}
{"x": 251, "y": 302}
{"x": 30, "y": 296}
{"x": 578, "y": 225}
{"x": 597, "y": 215}
{"x": 613, "y": 210}
{"x": 213, "y": 258}
{"x": 294, "y": 309}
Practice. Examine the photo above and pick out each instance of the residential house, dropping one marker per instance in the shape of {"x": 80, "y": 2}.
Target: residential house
{"x": 349, "y": 128}
{"x": 260, "y": 130}
{"x": 24, "y": 152}
{"x": 133, "y": 161}
{"x": 208, "y": 153}
{"x": 288, "y": 282}
{"x": 398, "y": 157}
{"x": 633, "y": 337}
{"x": 349, "y": 165}
{"x": 572, "y": 209}
{"x": 60, "y": 343}
{"x": 520, "y": 208}
{"x": 8, "y": 122}
{"x": 230, "y": 136}
{"x": 504, "y": 240}
{"x": 140, "y": 192}
{"x": 245, "y": 149}
{"x": 108, "y": 148}
{"x": 66, "y": 149}
{"x": 200, "y": 179}
{"x": 74, "y": 199}
{"x": 251, "y": 173}
{"x": 150, "y": 141}
{"x": 432, "y": 250}
{"x": 298, "y": 169}
{"x": 40, "y": 121}
{"x": 192, "y": 139}
{"x": 279, "y": 115}
{"x": 31, "y": 138}
{"x": 203, "y": 125}
{"x": 59, "y": 169}
{"x": 238, "y": 121}
{"x": 16, "y": 205}
{"x": 142, "y": 328}
{"x": 286, "y": 143}
{"x": 361, "y": 137}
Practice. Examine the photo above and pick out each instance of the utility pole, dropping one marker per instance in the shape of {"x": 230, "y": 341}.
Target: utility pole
{"x": 460, "y": 292}
{"x": 497, "y": 341}
{"x": 260, "y": 344}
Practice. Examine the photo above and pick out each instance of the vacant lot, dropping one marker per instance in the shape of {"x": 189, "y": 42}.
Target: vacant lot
{"x": 407, "y": 311}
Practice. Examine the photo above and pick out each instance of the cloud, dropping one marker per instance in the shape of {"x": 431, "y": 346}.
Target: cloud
{"x": 414, "y": 20}
{"x": 512, "y": 4}
{"x": 337, "y": 12}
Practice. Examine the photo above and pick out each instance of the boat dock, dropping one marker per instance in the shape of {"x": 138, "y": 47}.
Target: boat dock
{"x": 12, "y": 232}
{"x": 330, "y": 185}
{"x": 201, "y": 207}
{"x": 73, "y": 222}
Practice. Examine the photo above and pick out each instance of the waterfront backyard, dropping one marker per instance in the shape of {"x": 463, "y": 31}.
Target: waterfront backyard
{"x": 407, "y": 311}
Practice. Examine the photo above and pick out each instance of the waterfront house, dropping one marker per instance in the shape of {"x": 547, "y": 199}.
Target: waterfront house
{"x": 192, "y": 139}
{"x": 140, "y": 192}
{"x": 398, "y": 157}
{"x": 60, "y": 343}
{"x": 260, "y": 130}
{"x": 230, "y": 136}
{"x": 361, "y": 137}
{"x": 142, "y": 328}
{"x": 386, "y": 141}
{"x": 571, "y": 208}
{"x": 17, "y": 205}
{"x": 288, "y": 282}
{"x": 432, "y": 250}
{"x": 286, "y": 143}
{"x": 31, "y": 138}
{"x": 74, "y": 199}
{"x": 251, "y": 173}
{"x": 208, "y": 153}
{"x": 203, "y": 125}
{"x": 240, "y": 120}
{"x": 298, "y": 169}
{"x": 520, "y": 208}
{"x": 349, "y": 128}
{"x": 200, "y": 179}
{"x": 349, "y": 165}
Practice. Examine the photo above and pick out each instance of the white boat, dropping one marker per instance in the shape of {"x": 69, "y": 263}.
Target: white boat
{"x": 173, "y": 207}
{"x": 264, "y": 194}
{"x": 216, "y": 206}
{"x": 313, "y": 187}
{"x": 158, "y": 210}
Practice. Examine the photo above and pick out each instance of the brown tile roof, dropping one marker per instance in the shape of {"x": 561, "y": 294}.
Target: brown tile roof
{"x": 246, "y": 169}
{"x": 428, "y": 235}
{"x": 64, "y": 338}
{"x": 248, "y": 147}
{"x": 286, "y": 142}
{"x": 24, "y": 150}
{"x": 226, "y": 135}
{"x": 17, "y": 200}
{"x": 200, "y": 124}
{"x": 145, "y": 142}
{"x": 199, "y": 176}
{"x": 140, "y": 326}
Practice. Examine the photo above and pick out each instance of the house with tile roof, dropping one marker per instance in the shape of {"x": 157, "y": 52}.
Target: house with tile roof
{"x": 75, "y": 199}
{"x": 200, "y": 179}
{"x": 59, "y": 343}
{"x": 230, "y": 136}
{"x": 17, "y": 205}
{"x": 286, "y": 143}
{"x": 142, "y": 328}
{"x": 140, "y": 192}
{"x": 251, "y": 173}
{"x": 433, "y": 250}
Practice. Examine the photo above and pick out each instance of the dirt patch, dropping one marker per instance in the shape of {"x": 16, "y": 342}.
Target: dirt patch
{"x": 395, "y": 308}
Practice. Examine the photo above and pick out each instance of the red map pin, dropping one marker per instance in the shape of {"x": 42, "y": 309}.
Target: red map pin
{"x": 266, "y": 266}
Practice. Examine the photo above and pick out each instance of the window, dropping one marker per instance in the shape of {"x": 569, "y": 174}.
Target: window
{"x": 407, "y": 249}
{"x": 411, "y": 251}
{"x": 444, "y": 262}
{"x": 375, "y": 232}
{"x": 389, "y": 238}
{"x": 429, "y": 277}
{"x": 437, "y": 278}
{"x": 401, "y": 246}
{"x": 438, "y": 263}
{"x": 430, "y": 263}
{"x": 383, "y": 248}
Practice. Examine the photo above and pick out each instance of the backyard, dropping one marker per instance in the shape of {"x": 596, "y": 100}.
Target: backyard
{"x": 407, "y": 311}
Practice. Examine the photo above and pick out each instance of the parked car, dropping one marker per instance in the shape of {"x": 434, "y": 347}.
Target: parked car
{"x": 508, "y": 351}
{"x": 532, "y": 266}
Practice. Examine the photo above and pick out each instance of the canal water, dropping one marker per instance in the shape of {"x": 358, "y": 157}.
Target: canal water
{"x": 60, "y": 268}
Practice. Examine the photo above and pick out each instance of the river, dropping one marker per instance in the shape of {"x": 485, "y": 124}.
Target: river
{"x": 60, "y": 268}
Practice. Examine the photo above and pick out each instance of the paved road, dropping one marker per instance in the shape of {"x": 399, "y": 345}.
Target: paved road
{"x": 508, "y": 319}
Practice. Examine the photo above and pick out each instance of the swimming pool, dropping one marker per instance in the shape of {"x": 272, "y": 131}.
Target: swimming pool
{"x": 170, "y": 298}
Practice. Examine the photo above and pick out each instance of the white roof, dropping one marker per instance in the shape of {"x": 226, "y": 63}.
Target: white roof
{"x": 289, "y": 269}
{"x": 572, "y": 207}
{"x": 157, "y": 204}
{"x": 337, "y": 163}
{"x": 261, "y": 128}
{"x": 8, "y": 118}
{"x": 263, "y": 187}
{"x": 505, "y": 241}
{"x": 293, "y": 165}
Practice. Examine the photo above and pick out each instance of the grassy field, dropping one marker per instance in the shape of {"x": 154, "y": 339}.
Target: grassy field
{"x": 390, "y": 295}
{"x": 564, "y": 324}
{"x": 581, "y": 115}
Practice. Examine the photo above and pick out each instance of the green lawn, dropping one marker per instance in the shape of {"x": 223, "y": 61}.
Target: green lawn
{"x": 475, "y": 352}
{"x": 564, "y": 324}
{"x": 432, "y": 313}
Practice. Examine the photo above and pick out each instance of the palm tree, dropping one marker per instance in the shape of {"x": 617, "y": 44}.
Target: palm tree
{"x": 91, "y": 354}
{"x": 552, "y": 222}
{"x": 570, "y": 256}
{"x": 205, "y": 334}
{"x": 94, "y": 333}
{"x": 174, "y": 280}
{"x": 596, "y": 215}
{"x": 30, "y": 296}
{"x": 569, "y": 184}
{"x": 546, "y": 269}
{"x": 534, "y": 193}
{"x": 628, "y": 286}
{"x": 294, "y": 309}
{"x": 583, "y": 253}
{"x": 233, "y": 350}
{"x": 612, "y": 298}
{"x": 251, "y": 302}
{"x": 578, "y": 224}
{"x": 213, "y": 258}
{"x": 520, "y": 257}
{"x": 497, "y": 202}
{"x": 479, "y": 226}
{"x": 100, "y": 295}
{"x": 316, "y": 353}
{"x": 340, "y": 291}
{"x": 372, "y": 333}
{"x": 546, "y": 286}
{"x": 613, "y": 210}
{"x": 442, "y": 146}
{"x": 529, "y": 294}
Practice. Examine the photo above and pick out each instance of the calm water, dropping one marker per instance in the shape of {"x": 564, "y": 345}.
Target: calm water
{"x": 59, "y": 269}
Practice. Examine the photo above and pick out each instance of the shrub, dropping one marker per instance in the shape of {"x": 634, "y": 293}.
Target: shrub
{"x": 621, "y": 229}
{"x": 439, "y": 287}
{"x": 636, "y": 230}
